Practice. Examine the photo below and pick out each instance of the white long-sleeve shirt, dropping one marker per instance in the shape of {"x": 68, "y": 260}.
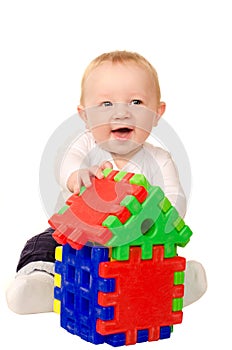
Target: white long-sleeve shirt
{"x": 153, "y": 162}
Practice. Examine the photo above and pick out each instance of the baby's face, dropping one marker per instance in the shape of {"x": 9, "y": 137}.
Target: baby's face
{"x": 120, "y": 106}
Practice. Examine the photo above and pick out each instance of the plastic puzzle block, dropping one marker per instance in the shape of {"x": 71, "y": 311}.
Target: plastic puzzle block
{"x": 81, "y": 221}
{"x": 131, "y": 290}
{"x": 153, "y": 221}
{"x": 131, "y": 230}
{"x": 70, "y": 229}
{"x": 120, "y": 211}
{"x": 144, "y": 295}
{"x": 119, "y": 339}
{"x": 148, "y": 225}
{"x": 78, "y": 291}
{"x": 97, "y": 297}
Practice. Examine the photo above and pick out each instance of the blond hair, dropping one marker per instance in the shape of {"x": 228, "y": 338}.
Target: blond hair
{"x": 121, "y": 57}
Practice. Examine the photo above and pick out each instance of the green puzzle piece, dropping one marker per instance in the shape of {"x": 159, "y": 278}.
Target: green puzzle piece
{"x": 163, "y": 231}
{"x": 155, "y": 221}
{"x": 131, "y": 230}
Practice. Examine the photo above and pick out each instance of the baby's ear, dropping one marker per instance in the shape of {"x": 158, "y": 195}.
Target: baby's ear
{"x": 82, "y": 114}
{"x": 160, "y": 111}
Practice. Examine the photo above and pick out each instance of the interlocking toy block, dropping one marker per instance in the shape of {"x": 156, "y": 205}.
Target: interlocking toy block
{"x": 145, "y": 297}
{"x": 154, "y": 221}
{"x": 118, "y": 302}
{"x": 129, "y": 290}
{"x": 120, "y": 211}
{"x": 81, "y": 221}
{"x": 76, "y": 292}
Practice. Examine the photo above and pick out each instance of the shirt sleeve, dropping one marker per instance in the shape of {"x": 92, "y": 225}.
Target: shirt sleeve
{"x": 167, "y": 177}
{"x": 75, "y": 158}
{"x": 172, "y": 187}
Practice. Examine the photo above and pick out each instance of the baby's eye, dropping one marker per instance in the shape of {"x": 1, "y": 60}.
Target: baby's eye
{"x": 107, "y": 104}
{"x": 136, "y": 102}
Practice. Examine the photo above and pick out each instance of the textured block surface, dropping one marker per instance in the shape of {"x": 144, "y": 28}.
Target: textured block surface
{"x": 144, "y": 294}
{"x": 78, "y": 294}
{"x": 81, "y": 220}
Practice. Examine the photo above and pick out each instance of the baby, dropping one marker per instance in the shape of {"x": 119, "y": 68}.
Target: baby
{"x": 120, "y": 104}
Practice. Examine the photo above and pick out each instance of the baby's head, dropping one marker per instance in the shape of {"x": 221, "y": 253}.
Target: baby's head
{"x": 125, "y": 58}
{"x": 120, "y": 100}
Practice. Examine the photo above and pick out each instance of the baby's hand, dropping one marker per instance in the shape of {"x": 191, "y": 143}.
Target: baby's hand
{"x": 82, "y": 177}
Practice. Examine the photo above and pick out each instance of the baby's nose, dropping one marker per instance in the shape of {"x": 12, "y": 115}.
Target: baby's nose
{"x": 121, "y": 111}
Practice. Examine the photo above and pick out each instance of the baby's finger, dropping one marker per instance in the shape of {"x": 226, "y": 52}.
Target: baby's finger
{"x": 78, "y": 184}
{"x": 106, "y": 164}
{"x": 97, "y": 172}
{"x": 76, "y": 189}
{"x": 86, "y": 178}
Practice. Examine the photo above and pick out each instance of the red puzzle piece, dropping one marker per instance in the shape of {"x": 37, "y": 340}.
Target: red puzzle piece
{"x": 105, "y": 195}
{"x": 70, "y": 229}
{"x": 144, "y": 294}
{"x": 81, "y": 222}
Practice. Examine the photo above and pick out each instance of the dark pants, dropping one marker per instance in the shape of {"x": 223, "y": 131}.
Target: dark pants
{"x": 39, "y": 248}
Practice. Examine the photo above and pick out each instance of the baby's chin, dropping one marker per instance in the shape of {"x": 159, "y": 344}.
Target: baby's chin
{"x": 120, "y": 147}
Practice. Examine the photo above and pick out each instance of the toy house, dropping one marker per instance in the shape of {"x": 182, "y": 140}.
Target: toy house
{"x": 118, "y": 278}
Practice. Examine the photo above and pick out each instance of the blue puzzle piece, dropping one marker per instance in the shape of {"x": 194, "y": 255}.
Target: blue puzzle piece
{"x": 79, "y": 291}
{"x": 115, "y": 340}
{"x": 165, "y": 332}
{"x": 142, "y": 336}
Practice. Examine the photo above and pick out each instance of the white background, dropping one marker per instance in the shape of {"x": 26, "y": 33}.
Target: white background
{"x": 45, "y": 46}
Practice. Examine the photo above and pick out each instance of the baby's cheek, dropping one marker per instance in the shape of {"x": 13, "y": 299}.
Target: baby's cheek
{"x": 144, "y": 124}
{"x": 100, "y": 133}
{"x": 142, "y": 134}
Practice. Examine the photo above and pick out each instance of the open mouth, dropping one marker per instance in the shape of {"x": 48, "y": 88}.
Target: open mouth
{"x": 122, "y": 133}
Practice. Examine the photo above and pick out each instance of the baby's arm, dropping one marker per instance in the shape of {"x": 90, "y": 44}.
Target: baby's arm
{"x": 172, "y": 186}
{"x": 76, "y": 169}
{"x": 165, "y": 175}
